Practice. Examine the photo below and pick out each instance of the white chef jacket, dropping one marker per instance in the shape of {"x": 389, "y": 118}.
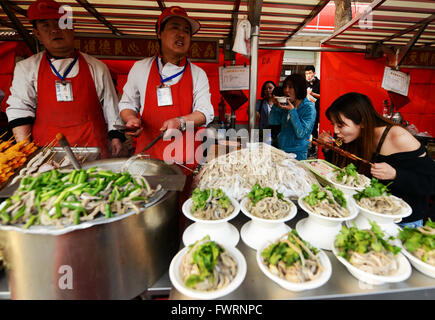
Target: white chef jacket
{"x": 23, "y": 99}
{"x": 134, "y": 90}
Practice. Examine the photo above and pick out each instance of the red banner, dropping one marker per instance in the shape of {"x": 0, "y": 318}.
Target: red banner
{"x": 130, "y": 48}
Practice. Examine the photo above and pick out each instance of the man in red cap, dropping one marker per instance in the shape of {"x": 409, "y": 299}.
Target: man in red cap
{"x": 62, "y": 89}
{"x": 167, "y": 91}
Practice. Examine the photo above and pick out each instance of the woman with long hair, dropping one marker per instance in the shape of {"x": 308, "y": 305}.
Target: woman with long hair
{"x": 396, "y": 154}
{"x": 296, "y": 117}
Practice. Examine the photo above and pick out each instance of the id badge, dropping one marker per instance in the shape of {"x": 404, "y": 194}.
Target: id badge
{"x": 64, "y": 91}
{"x": 164, "y": 96}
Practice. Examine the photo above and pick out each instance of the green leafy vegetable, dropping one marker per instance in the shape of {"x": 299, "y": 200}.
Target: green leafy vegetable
{"x": 376, "y": 189}
{"x": 205, "y": 258}
{"x": 258, "y": 193}
{"x": 282, "y": 251}
{"x": 362, "y": 241}
{"x": 349, "y": 171}
{"x": 414, "y": 238}
{"x": 317, "y": 194}
{"x": 199, "y": 198}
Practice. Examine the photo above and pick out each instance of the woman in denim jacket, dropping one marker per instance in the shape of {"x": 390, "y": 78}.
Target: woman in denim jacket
{"x": 296, "y": 117}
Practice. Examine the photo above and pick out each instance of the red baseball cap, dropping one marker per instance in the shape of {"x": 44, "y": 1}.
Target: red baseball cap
{"x": 176, "y": 11}
{"x": 43, "y": 9}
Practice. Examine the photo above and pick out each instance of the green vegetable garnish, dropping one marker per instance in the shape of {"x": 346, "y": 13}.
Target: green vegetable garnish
{"x": 282, "y": 251}
{"x": 317, "y": 194}
{"x": 199, "y": 198}
{"x": 414, "y": 239}
{"x": 376, "y": 189}
{"x": 205, "y": 257}
{"x": 362, "y": 241}
{"x": 349, "y": 171}
{"x": 258, "y": 193}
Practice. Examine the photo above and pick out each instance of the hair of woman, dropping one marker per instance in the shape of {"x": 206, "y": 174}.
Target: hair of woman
{"x": 298, "y": 83}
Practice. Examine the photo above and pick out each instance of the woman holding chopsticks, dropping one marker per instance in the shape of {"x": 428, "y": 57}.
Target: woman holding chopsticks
{"x": 396, "y": 155}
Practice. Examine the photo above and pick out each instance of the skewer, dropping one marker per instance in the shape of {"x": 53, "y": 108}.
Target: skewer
{"x": 340, "y": 151}
{"x": 85, "y": 157}
{"x": 3, "y": 134}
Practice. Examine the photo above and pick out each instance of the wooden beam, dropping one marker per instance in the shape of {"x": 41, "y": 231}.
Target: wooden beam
{"x": 411, "y": 28}
{"x": 403, "y": 53}
{"x": 90, "y": 8}
{"x": 6, "y": 23}
{"x": 30, "y": 42}
{"x": 17, "y": 8}
{"x": 308, "y": 19}
{"x": 161, "y": 5}
{"x": 254, "y": 12}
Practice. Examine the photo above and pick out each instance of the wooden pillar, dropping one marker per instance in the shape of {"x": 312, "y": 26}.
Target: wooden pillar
{"x": 343, "y": 13}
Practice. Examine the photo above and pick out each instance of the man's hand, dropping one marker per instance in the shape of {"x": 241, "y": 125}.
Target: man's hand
{"x": 169, "y": 126}
{"x": 134, "y": 126}
{"x": 132, "y": 122}
{"x": 116, "y": 146}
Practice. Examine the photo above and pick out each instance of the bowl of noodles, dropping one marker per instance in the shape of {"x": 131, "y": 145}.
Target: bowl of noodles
{"x": 348, "y": 179}
{"x": 371, "y": 257}
{"x": 376, "y": 203}
{"x": 327, "y": 208}
{"x": 207, "y": 270}
{"x": 210, "y": 206}
{"x": 293, "y": 263}
{"x": 266, "y": 205}
{"x": 268, "y": 210}
{"x": 211, "y": 209}
{"x": 418, "y": 246}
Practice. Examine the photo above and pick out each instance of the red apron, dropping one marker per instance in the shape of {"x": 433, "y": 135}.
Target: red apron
{"x": 153, "y": 117}
{"x": 81, "y": 121}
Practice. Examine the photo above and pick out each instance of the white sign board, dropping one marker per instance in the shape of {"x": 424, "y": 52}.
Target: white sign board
{"x": 234, "y": 78}
{"x": 396, "y": 81}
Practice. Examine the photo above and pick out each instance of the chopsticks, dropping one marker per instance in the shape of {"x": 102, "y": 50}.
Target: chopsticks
{"x": 340, "y": 151}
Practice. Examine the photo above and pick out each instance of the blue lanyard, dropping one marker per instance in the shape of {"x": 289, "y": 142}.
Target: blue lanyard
{"x": 68, "y": 70}
{"x": 171, "y": 77}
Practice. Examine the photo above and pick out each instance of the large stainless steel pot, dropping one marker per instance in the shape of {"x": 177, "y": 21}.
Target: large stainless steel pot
{"x": 116, "y": 260}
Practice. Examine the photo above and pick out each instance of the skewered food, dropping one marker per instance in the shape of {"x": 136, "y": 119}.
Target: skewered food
{"x": 328, "y": 202}
{"x": 349, "y": 176}
{"x": 420, "y": 241}
{"x": 236, "y": 172}
{"x": 367, "y": 249}
{"x": 376, "y": 198}
{"x": 267, "y": 203}
{"x": 13, "y": 156}
{"x": 292, "y": 259}
{"x": 72, "y": 196}
{"x": 210, "y": 204}
{"x": 207, "y": 266}
{"x": 340, "y": 151}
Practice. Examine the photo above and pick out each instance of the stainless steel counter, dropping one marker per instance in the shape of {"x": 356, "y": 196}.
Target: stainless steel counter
{"x": 341, "y": 285}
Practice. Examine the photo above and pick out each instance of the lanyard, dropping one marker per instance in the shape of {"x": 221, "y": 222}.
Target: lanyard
{"x": 171, "y": 77}
{"x": 68, "y": 70}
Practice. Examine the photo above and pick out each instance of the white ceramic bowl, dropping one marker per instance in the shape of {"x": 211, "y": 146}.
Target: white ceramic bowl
{"x": 295, "y": 286}
{"x": 347, "y": 190}
{"x": 282, "y": 99}
{"x": 405, "y": 212}
{"x": 219, "y": 230}
{"x": 319, "y": 230}
{"x": 187, "y": 205}
{"x": 290, "y": 215}
{"x": 258, "y": 231}
{"x": 387, "y": 222}
{"x": 421, "y": 266}
{"x": 174, "y": 276}
{"x": 403, "y": 273}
